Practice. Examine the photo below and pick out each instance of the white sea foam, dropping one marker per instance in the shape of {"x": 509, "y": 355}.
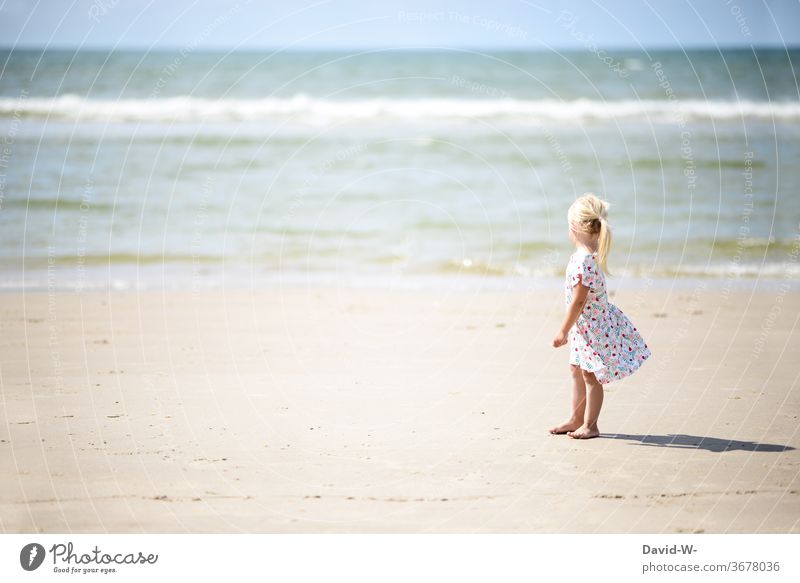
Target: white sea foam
{"x": 305, "y": 108}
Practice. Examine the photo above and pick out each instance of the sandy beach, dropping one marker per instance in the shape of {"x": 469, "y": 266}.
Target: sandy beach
{"x": 366, "y": 410}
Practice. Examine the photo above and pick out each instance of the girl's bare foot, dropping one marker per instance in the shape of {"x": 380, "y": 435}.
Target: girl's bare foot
{"x": 584, "y": 432}
{"x": 565, "y": 427}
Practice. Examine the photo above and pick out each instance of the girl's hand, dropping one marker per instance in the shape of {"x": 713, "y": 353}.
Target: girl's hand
{"x": 560, "y": 339}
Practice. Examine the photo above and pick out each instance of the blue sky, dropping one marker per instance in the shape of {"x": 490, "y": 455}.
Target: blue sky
{"x": 344, "y": 24}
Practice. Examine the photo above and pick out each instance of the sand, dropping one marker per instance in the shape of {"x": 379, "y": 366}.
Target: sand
{"x": 367, "y": 410}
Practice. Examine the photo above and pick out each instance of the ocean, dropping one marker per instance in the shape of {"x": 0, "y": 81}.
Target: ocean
{"x": 192, "y": 168}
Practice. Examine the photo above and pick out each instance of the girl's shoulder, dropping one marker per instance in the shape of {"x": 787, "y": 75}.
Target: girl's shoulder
{"x": 584, "y": 263}
{"x": 581, "y": 256}
{"x": 581, "y": 260}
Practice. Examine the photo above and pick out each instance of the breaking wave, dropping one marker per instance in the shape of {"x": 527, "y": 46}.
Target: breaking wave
{"x": 305, "y": 108}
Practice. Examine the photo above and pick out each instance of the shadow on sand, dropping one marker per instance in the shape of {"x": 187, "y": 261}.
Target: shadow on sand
{"x": 683, "y": 441}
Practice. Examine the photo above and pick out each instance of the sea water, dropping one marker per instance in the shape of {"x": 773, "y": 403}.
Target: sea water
{"x": 452, "y": 167}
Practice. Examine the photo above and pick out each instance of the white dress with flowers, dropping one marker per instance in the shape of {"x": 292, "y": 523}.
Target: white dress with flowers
{"x": 602, "y": 340}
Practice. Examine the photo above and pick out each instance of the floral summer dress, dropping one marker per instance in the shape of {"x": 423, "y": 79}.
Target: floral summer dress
{"x": 603, "y": 340}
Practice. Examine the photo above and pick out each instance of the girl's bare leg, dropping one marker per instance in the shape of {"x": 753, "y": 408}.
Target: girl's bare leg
{"x": 578, "y": 402}
{"x": 594, "y": 402}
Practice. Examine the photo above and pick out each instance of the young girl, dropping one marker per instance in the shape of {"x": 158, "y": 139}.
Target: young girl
{"x": 603, "y": 344}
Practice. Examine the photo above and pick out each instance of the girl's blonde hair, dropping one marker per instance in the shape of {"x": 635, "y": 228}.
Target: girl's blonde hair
{"x": 589, "y": 215}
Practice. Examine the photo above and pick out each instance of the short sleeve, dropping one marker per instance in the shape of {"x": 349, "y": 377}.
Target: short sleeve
{"x": 585, "y": 272}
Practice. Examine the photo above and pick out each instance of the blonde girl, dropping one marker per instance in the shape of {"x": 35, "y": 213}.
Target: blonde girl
{"x": 604, "y": 346}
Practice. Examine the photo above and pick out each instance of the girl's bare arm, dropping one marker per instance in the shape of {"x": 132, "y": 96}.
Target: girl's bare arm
{"x": 579, "y": 294}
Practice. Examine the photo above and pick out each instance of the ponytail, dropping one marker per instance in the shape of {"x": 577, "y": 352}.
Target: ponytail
{"x": 604, "y": 245}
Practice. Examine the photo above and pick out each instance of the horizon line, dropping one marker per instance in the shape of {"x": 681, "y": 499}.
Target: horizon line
{"x": 514, "y": 49}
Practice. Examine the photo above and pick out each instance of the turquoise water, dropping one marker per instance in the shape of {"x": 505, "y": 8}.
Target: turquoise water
{"x": 393, "y": 165}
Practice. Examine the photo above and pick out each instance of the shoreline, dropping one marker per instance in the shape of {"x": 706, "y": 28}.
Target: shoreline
{"x": 152, "y": 278}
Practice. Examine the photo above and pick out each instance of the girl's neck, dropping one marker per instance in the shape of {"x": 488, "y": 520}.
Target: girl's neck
{"x": 585, "y": 248}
